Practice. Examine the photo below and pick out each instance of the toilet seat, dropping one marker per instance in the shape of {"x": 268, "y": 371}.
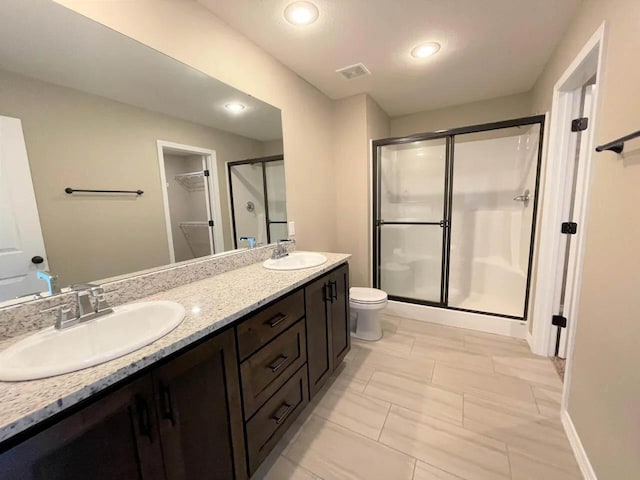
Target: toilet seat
{"x": 367, "y": 296}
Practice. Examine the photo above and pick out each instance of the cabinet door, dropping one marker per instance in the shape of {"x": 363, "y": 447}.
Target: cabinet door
{"x": 339, "y": 315}
{"x": 199, "y": 413}
{"x": 115, "y": 438}
{"x": 319, "y": 356}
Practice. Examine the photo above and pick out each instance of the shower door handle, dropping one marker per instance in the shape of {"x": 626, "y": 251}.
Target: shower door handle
{"x": 525, "y": 197}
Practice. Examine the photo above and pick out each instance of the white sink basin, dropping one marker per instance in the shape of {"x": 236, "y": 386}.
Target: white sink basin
{"x": 53, "y": 352}
{"x": 296, "y": 261}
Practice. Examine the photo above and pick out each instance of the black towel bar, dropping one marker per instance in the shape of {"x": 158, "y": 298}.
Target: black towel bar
{"x": 618, "y": 145}
{"x": 70, "y": 190}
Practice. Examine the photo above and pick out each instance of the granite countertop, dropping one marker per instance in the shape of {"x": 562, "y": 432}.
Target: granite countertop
{"x": 210, "y": 304}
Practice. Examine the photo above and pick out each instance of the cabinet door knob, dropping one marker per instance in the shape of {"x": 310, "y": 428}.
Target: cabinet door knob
{"x": 37, "y": 259}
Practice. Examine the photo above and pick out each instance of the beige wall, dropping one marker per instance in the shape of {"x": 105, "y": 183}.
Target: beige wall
{"x": 350, "y": 157}
{"x": 274, "y": 147}
{"x": 604, "y": 401}
{"x": 496, "y": 109}
{"x": 357, "y": 120}
{"x": 85, "y": 141}
{"x": 201, "y": 40}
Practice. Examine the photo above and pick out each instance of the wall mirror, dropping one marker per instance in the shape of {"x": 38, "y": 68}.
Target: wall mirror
{"x": 115, "y": 158}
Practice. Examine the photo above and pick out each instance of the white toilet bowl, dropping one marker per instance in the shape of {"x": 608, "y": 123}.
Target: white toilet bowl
{"x": 366, "y": 305}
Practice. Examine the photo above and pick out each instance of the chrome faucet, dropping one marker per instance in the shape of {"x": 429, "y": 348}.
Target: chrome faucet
{"x": 85, "y": 308}
{"x": 281, "y": 248}
{"x": 52, "y": 281}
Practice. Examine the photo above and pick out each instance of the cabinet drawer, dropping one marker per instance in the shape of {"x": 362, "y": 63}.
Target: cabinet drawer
{"x": 274, "y": 418}
{"x": 257, "y": 330}
{"x": 267, "y": 369}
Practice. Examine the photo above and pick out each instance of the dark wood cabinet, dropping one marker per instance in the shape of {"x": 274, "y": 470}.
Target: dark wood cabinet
{"x": 328, "y": 329}
{"x": 115, "y": 437}
{"x": 273, "y": 419}
{"x": 183, "y": 418}
{"x": 212, "y": 411}
{"x": 199, "y": 413}
{"x": 317, "y": 303}
{"x": 339, "y": 315}
{"x": 265, "y": 371}
{"x": 268, "y": 323}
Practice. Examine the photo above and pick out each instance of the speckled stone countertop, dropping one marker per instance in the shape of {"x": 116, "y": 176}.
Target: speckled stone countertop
{"x": 210, "y": 304}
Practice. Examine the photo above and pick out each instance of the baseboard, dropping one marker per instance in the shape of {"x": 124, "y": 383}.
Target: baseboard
{"x": 455, "y": 318}
{"x": 578, "y": 450}
{"x": 530, "y": 339}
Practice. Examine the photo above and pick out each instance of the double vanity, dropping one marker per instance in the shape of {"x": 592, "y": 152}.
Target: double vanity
{"x": 210, "y": 399}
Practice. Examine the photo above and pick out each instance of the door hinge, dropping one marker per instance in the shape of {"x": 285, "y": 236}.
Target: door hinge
{"x": 570, "y": 228}
{"x": 206, "y": 173}
{"x": 559, "y": 321}
{"x": 579, "y": 124}
{"x": 211, "y": 223}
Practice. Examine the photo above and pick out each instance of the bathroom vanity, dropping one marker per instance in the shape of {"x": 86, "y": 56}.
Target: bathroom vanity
{"x": 206, "y": 402}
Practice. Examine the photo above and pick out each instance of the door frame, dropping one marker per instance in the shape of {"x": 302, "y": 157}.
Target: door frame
{"x": 450, "y": 134}
{"x": 566, "y": 93}
{"x": 215, "y": 209}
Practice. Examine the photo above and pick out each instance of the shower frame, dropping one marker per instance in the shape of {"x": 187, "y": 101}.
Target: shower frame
{"x": 445, "y": 223}
{"x": 250, "y": 161}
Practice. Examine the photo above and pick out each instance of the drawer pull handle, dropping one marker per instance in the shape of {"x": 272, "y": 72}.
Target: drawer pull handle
{"x": 277, "y": 320}
{"x": 144, "y": 422}
{"x": 277, "y": 365}
{"x": 167, "y": 405}
{"x": 326, "y": 290}
{"x": 282, "y": 413}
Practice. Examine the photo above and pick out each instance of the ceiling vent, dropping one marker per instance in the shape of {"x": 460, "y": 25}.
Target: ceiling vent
{"x": 353, "y": 71}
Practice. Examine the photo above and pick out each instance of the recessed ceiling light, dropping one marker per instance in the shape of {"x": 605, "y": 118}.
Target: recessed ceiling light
{"x": 234, "y": 107}
{"x": 425, "y": 50}
{"x": 301, "y": 13}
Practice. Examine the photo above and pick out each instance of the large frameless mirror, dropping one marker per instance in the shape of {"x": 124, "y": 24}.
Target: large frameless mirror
{"x": 113, "y": 156}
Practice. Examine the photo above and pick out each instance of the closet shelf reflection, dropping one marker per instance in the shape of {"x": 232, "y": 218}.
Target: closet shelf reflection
{"x": 192, "y": 181}
{"x": 194, "y": 224}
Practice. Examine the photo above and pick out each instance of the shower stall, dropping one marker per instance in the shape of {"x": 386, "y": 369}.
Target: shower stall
{"x": 454, "y": 216}
{"x": 258, "y": 199}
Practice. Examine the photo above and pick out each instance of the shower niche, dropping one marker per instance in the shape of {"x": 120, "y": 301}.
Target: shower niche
{"x": 454, "y": 216}
{"x": 258, "y": 199}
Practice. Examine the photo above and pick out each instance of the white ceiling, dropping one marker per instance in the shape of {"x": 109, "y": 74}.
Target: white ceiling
{"x": 43, "y": 40}
{"x": 490, "y": 48}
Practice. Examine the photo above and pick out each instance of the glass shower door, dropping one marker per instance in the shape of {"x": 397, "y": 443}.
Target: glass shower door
{"x": 276, "y": 200}
{"x": 493, "y": 200}
{"x": 411, "y": 218}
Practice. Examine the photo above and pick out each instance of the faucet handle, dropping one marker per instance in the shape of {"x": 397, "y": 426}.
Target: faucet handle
{"x": 62, "y": 311}
{"x": 101, "y": 301}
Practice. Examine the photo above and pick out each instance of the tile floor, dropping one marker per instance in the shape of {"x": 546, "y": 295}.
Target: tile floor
{"x": 429, "y": 402}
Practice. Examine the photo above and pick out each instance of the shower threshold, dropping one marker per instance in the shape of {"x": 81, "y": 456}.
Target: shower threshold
{"x": 461, "y": 318}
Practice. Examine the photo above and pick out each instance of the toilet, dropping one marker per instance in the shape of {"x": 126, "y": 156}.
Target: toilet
{"x": 366, "y": 305}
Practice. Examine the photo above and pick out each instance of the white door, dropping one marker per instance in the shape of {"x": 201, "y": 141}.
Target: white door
{"x": 575, "y": 183}
{"x": 21, "y": 240}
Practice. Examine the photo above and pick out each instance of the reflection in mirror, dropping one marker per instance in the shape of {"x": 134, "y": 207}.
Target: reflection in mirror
{"x": 85, "y": 108}
{"x": 257, "y": 191}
